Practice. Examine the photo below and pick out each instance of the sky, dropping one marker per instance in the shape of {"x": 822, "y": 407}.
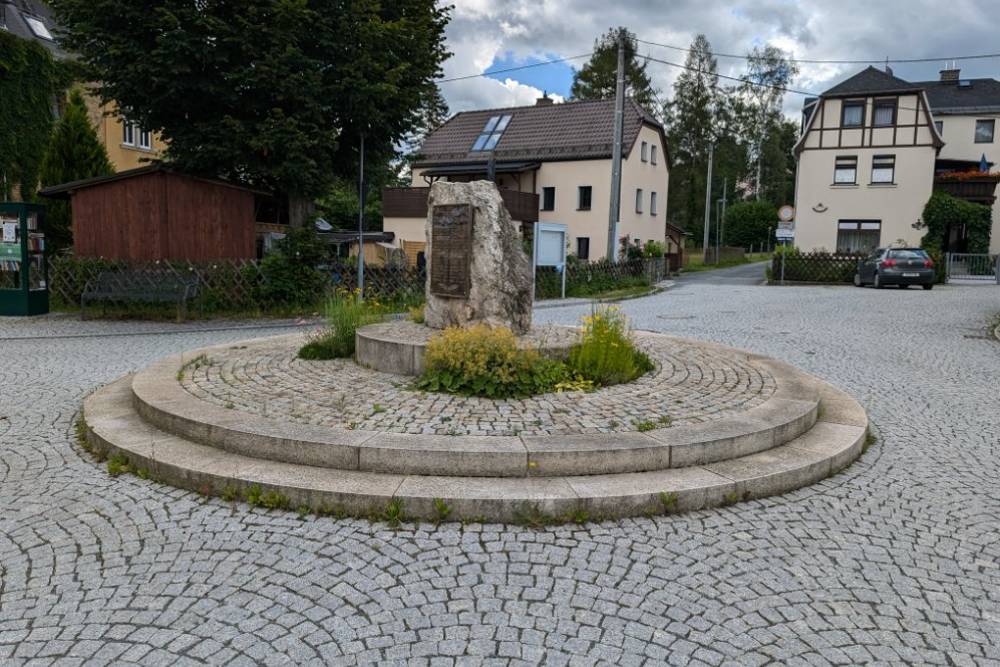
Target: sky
{"x": 488, "y": 35}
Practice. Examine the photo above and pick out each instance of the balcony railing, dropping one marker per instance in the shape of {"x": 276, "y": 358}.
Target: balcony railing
{"x": 412, "y": 203}
{"x": 981, "y": 190}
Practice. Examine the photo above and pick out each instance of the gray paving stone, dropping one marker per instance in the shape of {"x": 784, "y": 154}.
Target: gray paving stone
{"x": 892, "y": 560}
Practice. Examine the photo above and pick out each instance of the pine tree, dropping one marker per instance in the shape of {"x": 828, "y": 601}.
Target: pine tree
{"x": 74, "y": 152}
{"x": 598, "y": 78}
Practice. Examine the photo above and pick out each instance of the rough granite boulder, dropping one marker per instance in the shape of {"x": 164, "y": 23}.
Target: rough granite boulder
{"x": 500, "y": 275}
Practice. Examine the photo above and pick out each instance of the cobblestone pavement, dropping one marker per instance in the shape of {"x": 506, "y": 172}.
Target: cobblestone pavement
{"x": 897, "y": 559}
{"x": 689, "y": 386}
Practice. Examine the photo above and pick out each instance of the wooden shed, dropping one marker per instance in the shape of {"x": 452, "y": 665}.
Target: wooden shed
{"x": 155, "y": 213}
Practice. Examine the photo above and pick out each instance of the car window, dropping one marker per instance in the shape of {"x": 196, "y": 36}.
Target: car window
{"x": 907, "y": 254}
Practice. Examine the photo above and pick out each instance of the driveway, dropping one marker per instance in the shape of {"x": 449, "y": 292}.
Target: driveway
{"x": 893, "y": 560}
{"x": 744, "y": 274}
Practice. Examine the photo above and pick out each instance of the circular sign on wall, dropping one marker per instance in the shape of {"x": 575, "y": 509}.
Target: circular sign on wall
{"x": 786, "y": 213}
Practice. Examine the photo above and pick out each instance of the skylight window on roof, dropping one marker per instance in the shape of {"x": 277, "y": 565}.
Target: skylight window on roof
{"x": 38, "y": 28}
{"x": 490, "y": 136}
{"x": 964, "y": 83}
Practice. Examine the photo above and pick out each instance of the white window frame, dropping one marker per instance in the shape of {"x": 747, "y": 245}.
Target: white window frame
{"x": 837, "y": 180}
{"x": 638, "y": 200}
{"x": 145, "y": 140}
{"x": 652, "y": 203}
{"x": 644, "y": 153}
{"x": 880, "y": 173}
{"x": 992, "y": 123}
{"x": 128, "y": 133}
{"x": 652, "y": 154}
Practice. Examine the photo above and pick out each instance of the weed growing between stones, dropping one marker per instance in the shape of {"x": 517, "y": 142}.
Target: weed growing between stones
{"x": 393, "y": 514}
{"x": 668, "y": 501}
{"x": 117, "y": 465}
{"x": 441, "y": 510}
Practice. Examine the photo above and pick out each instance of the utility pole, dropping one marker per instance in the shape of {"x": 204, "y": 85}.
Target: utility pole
{"x": 708, "y": 198}
{"x": 361, "y": 220}
{"x": 614, "y": 212}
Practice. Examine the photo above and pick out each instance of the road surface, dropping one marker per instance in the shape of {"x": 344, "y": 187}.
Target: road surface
{"x": 744, "y": 274}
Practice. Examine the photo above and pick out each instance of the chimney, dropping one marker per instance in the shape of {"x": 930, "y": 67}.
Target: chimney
{"x": 950, "y": 75}
{"x": 544, "y": 100}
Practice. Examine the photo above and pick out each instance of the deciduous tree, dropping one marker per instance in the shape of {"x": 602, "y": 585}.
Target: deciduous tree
{"x": 273, "y": 93}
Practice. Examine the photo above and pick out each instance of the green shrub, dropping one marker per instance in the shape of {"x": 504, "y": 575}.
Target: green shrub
{"x": 750, "y": 223}
{"x": 345, "y": 315}
{"x": 943, "y": 212}
{"x": 485, "y": 361}
{"x": 654, "y": 249}
{"x": 289, "y": 275}
{"x": 606, "y": 354}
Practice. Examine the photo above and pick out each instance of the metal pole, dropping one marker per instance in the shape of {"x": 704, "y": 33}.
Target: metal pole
{"x": 708, "y": 199}
{"x": 725, "y": 185}
{"x": 614, "y": 212}
{"x": 718, "y": 231}
{"x": 783, "y": 263}
{"x": 361, "y": 220}
{"x": 757, "y": 189}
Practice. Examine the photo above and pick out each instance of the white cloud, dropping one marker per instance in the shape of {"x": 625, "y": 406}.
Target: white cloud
{"x": 847, "y": 29}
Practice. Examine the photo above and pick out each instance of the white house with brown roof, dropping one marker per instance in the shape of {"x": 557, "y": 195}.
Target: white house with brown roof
{"x": 872, "y": 149}
{"x": 552, "y": 163}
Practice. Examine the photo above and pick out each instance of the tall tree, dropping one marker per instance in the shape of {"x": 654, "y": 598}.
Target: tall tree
{"x": 274, "y": 93}
{"x": 598, "y": 78}
{"x": 74, "y": 153}
{"x": 760, "y": 94}
{"x": 694, "y": 118}
{"x": 777, "y": 175}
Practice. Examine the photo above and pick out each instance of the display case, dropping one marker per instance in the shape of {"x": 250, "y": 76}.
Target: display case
{"x": 23, "y": 269}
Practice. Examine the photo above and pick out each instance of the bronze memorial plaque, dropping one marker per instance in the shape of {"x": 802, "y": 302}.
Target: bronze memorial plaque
{"x": 451, "y": 250}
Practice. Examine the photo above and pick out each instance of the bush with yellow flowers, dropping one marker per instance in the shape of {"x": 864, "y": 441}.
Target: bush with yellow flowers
{"x": 480, "y": 360}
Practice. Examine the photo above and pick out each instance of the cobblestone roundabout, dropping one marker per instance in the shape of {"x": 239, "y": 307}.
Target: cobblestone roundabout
{"x": 897, "y": 559}
{"x": 688, "y": 386}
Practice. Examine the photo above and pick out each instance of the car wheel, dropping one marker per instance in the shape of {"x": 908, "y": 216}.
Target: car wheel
{"x": 857, "y": 280}
{"x": 928, "y": 287}
{"x": 878, "y": 282}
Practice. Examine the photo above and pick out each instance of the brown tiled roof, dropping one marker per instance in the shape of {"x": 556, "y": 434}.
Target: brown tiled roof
{"x": 568, "y": 131}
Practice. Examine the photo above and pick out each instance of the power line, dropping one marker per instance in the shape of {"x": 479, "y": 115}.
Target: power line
{"x": 813, "y": 61}
{"x": 514, "y": 69}
{"x": 783, "y": 89}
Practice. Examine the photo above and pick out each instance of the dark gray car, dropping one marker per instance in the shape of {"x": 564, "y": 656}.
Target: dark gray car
{"x": 896, "y": 266}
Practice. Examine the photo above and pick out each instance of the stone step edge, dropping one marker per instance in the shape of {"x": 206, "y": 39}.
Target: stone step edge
{"x": 113, "y": 426}
{"x": 791, "y": 411}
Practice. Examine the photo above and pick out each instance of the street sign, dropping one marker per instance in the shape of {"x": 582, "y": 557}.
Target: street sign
{"x": 786, "y": 213}
{"x": 784, "y": 234}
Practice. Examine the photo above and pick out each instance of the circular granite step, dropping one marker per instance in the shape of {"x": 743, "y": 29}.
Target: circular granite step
{"x": 745, "y": 404}
{"x": 112, "y": 425}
